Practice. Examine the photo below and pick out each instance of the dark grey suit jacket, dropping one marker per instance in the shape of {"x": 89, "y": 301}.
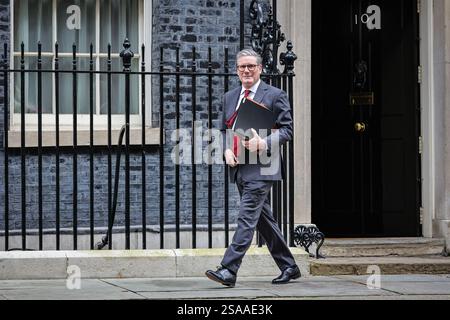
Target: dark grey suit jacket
{"x": 268, "y": 165}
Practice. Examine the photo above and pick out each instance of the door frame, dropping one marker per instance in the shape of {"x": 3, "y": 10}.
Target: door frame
{"x": 427, "y": 101}
{"x": 296, "y": 18}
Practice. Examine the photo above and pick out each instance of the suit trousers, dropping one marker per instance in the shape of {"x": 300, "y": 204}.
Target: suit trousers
{"x": 255, "y": 213}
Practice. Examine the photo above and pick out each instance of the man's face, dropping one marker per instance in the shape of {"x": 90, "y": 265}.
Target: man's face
{"x": 249, "y": 71}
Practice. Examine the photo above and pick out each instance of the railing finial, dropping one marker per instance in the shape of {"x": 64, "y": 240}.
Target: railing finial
{"x": 126, "y": 55}
{"x": 288, "y": 58}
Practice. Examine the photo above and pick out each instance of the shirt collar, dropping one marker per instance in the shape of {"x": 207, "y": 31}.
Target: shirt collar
{"x": 252, "y": 89}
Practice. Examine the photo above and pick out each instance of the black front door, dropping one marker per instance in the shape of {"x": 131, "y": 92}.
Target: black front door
{"x": 365, "y": 118}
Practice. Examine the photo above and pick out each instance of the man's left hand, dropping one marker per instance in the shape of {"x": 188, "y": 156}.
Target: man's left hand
{"x": 256, "y": 143}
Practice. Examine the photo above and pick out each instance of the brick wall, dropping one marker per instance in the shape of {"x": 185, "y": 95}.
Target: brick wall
{"x": 183, "y": 23}
{"x": 4, "y": 38}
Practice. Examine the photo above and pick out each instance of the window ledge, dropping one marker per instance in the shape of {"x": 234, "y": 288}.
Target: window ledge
{"x": 83, "y": 137}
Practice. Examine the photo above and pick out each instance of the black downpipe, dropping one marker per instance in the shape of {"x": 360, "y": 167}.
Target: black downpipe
{"x": 106, "y": 239}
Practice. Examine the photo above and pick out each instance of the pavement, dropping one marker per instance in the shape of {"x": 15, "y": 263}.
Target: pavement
{"x": 365, "y": 287}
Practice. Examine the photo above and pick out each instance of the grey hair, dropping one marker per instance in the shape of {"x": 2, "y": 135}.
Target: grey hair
{"x": 249, "y": 53}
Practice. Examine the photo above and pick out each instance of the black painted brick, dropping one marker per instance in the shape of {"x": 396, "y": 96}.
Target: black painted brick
{"x": 176, "y": 23}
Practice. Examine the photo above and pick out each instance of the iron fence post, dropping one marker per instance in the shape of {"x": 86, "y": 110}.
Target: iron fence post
{"x": 126, "y": 56}
{"x": 5, "y": 145}
{"x": 288, "y": 59}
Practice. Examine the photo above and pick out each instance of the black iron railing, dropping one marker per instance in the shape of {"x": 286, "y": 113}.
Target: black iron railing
{"x": 171, "y": 79}
{"x": 282, "y": 198}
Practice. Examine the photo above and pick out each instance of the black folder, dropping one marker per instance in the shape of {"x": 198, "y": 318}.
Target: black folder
{"x": 250, "y": 115}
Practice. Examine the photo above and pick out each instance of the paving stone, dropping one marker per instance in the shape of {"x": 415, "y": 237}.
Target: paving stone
{"x": 219, "y": 293}
{"x": 402, "y": 278}
{"x": 247, "y": 280}
{"x": 420, "y": 288}
{"x": 317, "y": 289}
{"x": 165, "y": 285}
{"x": 57, "y": 290}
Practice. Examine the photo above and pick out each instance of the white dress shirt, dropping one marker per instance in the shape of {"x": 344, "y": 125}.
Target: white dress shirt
{"x": 251, "y": 95}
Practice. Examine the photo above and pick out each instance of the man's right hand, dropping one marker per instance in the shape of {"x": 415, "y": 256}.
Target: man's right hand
{"x": 230, "y": 158}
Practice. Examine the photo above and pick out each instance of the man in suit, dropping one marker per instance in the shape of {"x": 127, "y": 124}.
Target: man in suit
{"x": 254, "y": 180}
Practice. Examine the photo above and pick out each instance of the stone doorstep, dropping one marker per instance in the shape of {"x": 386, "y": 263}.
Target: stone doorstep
{"x": 384, "y": 241}
{"x": 387, "y": 265}
{"x": 19, "y": 265}
{"x": 382, "y": 247}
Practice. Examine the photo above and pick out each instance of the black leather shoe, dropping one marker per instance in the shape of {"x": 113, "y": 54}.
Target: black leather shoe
{"x": 223, "y": 276}
{"x": 288, "y": 275}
